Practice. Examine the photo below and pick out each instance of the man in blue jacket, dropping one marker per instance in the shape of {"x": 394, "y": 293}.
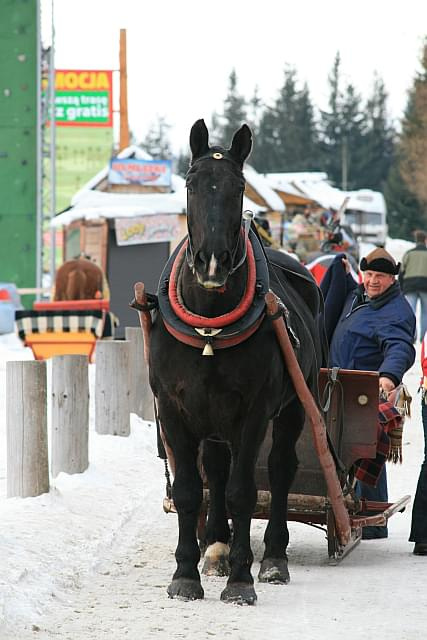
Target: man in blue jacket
{"x": 370, "y": 327}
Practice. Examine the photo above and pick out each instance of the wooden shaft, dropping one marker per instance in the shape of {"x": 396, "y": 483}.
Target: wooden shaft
{"x": 124, "y": 120}
{"x": 144, "y": 317}
{"x": 318, "y": 428}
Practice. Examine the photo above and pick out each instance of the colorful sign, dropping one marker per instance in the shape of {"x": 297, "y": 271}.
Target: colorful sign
{"x": 133, "y": 171}
{"x": 83, "y": 98}
{"x": 146, "y": 229}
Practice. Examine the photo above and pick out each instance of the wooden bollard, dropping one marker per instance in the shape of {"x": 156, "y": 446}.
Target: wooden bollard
{"x": 141, "y": 397}
{"x": 70, "y": 414}
{"x": 26, "y": 427}
{"x": 112, "y": 388}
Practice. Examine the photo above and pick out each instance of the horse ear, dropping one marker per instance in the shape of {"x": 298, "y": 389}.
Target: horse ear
{"x": 242, "y": 144}
{"x": 199, "y": 139}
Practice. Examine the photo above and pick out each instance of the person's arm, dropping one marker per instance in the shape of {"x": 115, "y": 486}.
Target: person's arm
{"x": 335, "y": 286}
{"x": 424, "y": 362}
{"x": 396, "y": 343}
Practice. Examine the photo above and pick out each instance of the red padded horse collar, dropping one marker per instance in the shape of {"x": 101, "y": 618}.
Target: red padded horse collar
{"x": 223, "y": 331}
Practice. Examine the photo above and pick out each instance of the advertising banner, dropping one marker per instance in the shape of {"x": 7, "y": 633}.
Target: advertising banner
{"x": 83, "y": 98}
{"x": 146, "y": 229}
{"x": 132, "y": 171}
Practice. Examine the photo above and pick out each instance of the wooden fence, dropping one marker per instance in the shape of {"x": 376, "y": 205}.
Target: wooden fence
{"x": 121, "y": 387}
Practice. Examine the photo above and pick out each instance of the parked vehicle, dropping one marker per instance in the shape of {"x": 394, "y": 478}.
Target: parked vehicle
{"x": 366, "y": 215}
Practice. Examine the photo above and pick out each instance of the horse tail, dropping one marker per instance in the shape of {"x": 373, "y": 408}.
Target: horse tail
{"x": 76, "y": 285}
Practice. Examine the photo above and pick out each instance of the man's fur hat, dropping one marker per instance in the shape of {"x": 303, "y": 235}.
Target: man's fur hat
{"x": 380, "y": 260}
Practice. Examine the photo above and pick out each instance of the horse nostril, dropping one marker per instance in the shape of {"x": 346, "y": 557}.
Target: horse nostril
{"x": 222, "y": 259}
{"x": 202, "y": 257}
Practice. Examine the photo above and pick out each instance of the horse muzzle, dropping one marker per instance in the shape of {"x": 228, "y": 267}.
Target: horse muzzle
{"x": 212, "y": 272}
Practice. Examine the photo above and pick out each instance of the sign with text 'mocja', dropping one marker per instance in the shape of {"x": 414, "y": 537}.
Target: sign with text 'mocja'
{"x": 83, "y": 98}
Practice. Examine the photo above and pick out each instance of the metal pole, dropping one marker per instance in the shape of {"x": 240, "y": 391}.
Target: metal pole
{"x": 344, "y": 165}
{"x": 39, "y": 160}
{"x": 52, "y": 148}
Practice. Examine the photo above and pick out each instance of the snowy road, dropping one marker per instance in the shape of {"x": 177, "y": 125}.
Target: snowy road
{"x": 92, "y": 559}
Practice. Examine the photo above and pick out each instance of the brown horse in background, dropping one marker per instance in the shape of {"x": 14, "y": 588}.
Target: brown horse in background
{"x": 79, "y": 279}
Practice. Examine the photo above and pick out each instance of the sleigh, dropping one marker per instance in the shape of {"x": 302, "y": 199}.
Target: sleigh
{"x": 351, "y": 420}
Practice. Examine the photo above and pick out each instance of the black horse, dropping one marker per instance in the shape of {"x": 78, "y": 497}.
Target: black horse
{"x": 216, "y": 409}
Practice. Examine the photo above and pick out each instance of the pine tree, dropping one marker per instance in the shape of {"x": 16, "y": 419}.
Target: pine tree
{"x": 234, "y": 114}
{"x": 182, "y": 163}
{"x": 265, "y": 156}
{"x": 156, "y": 142}
{"x": 378, "y": 141}
{"x": 404, "y": 211}
{"x": 331, "y": 127}
{"x": 306, "y": 152}
{"x": 287, "y": 135}
{"x": 413, "y": 141}
{"x": 352, "y": 137}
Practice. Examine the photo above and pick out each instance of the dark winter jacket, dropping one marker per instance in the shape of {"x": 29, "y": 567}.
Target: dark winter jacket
{"x": 413, "y": 270}
{"x": 367, "y": 334}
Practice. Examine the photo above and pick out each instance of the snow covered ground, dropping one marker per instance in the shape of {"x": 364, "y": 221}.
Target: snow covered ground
{"x": 92, "y": 559}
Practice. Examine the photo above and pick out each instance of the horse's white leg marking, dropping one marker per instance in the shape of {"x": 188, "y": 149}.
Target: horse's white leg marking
{"x": 212, "y": 265}
{"x": 216, "y": 559}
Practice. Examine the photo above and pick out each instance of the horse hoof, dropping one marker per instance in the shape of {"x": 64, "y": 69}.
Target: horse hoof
{"x": 185, "y": 589}
{"x": 239, "y": 593}
{"x": 216, "y": 560}
{"x": 274, "y": 571}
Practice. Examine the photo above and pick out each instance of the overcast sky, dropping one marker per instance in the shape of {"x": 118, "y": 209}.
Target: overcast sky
{"x": 180, "y": 53}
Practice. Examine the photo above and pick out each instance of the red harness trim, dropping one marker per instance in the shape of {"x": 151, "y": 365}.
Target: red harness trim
{"x": 195, "y": 320}
{"x": 194, "y": 341}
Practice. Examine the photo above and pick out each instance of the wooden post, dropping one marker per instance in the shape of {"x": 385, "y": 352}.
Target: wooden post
{"x": 112, "y": 387}
{"x": 70, "y": 414}
{"x": 26, "y": 428}
{"x": 124, "y": 120}
{"x": 141, "y": 397}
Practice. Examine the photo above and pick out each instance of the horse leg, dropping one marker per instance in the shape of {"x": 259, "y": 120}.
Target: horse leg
{"x": 241, "y": 495}
{"x": 216, "y": 463}
{"x": 282, "y": 466}
{"x": 187, "y": 492}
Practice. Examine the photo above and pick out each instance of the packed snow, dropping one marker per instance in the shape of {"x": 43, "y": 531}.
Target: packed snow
{"x": 93, "y": 557}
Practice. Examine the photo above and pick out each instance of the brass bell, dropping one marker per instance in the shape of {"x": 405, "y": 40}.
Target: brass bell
{"x": 208, "y": 351}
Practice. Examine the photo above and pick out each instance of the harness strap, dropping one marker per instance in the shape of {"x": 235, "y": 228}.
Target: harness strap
{"x": 153, "y": 303}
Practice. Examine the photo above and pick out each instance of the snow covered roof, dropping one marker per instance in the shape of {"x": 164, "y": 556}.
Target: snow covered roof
{"x": 260, "y": 184}
{"x": 316, "y": 186}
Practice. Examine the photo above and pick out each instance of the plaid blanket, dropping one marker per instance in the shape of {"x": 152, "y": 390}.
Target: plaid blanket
{"x": 41, "y": 321}
{"x": 390, "y": 421}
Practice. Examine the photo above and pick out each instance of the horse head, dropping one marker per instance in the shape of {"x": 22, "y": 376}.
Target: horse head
{"x": 215, "y": 187}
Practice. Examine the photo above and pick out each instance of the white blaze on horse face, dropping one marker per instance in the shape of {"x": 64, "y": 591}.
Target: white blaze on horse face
{"x": 212, "y": 266}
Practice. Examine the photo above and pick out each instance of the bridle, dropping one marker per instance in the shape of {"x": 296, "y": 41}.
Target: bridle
{"x": 247, "y": 217}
